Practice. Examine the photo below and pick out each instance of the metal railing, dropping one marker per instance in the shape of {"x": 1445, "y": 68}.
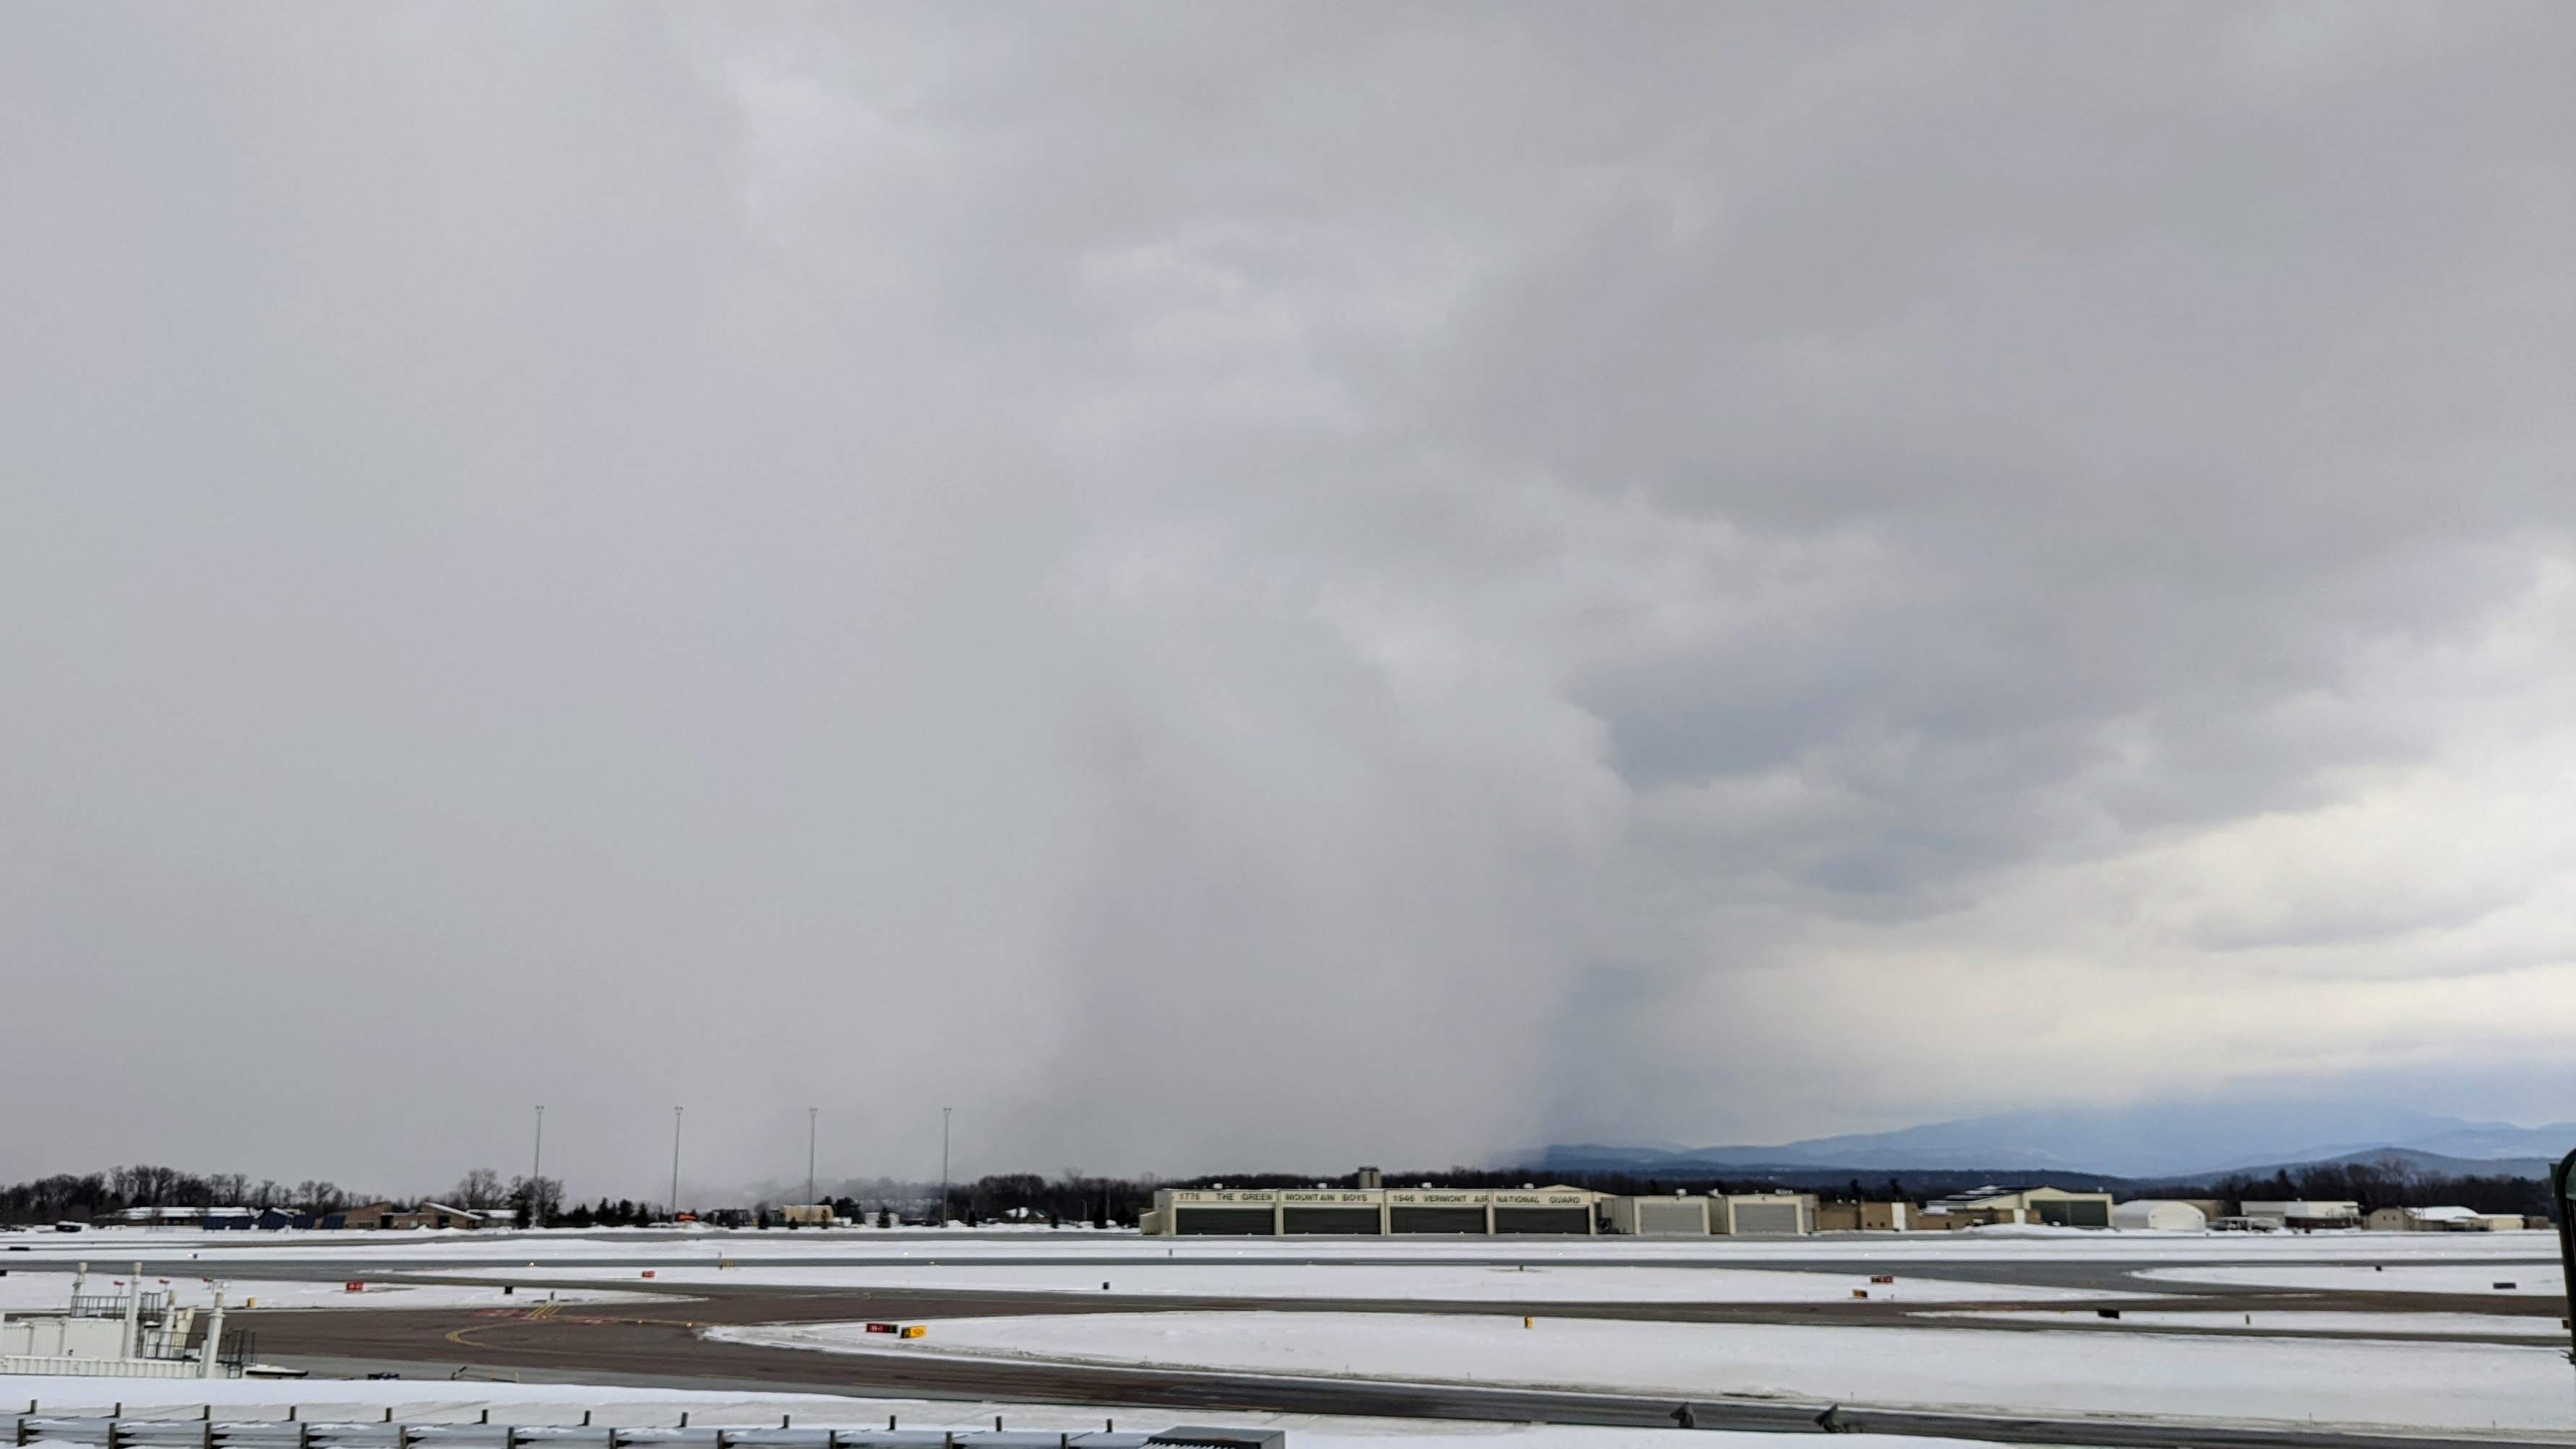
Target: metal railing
{"x": 208, "y": 1432}
{"x": 112, "y": 1305}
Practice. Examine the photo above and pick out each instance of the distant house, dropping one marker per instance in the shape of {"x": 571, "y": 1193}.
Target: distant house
{"x": 183, "y": 1217}
{"x": 440, "y": 1215}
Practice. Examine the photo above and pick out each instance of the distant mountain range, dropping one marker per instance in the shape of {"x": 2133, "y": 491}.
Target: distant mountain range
{"x": 2178, "y": 1141}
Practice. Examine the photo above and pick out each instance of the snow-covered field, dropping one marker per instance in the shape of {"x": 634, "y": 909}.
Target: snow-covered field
{"x": 651, "y": 1248}
{"x": 1550, "y": 1282}
{"x": 419, "y": 1402}
{"x": 2544, "y": 1277}
{"x": 2353, "y": 1382}
{"x": 22, "y": 1292}
{"x": 2545, "y": 1330}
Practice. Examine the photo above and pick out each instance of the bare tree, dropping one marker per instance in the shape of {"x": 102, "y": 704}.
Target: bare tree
{"x": 538, "y": 1199}
{"x": 480, "y": 1189}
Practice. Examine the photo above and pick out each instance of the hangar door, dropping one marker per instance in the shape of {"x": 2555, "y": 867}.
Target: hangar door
{"x": 1560, "y": 1220}
{"x": 2075, "y": 1213}
{"x": 1231, "y": 1221}
{"x": 1671, "y": 1219}
{"x": 1349, "y": 1221}
{"x": 1766, "y": 1217}
{"x": 1436, "y": 1220}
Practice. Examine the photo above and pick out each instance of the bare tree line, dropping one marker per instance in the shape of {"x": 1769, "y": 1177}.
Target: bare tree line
{"x": 1073, "y": 1197}
{"x": 83, "y": 1197}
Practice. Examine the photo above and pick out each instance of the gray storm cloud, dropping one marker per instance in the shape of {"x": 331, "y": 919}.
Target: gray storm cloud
{"x": 1237, "y": 586}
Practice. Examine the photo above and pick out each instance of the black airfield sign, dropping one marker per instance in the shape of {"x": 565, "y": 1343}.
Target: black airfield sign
{"x": 2562, "y": 1206}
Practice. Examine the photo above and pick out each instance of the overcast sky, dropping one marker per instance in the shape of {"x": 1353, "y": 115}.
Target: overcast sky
{"x": 1233, "y": 585}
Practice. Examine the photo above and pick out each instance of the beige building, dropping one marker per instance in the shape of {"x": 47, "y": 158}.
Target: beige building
{"x": 1862, "y": 1217}
{"x": 440, "y": 1215}
{"x": 1763, "y": 1214}
{"x": 1678, "y": 1216}
{"x": 2028, "y": 1205}
{"x": 1749, "y": 1214}
{"x": 1371, "y": 1212}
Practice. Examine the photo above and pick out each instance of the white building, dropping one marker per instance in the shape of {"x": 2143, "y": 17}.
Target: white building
{"x": 2305, "y": 1214}
{"x": 2441, "y": 1220}
{"x": 2153, "y": 1215}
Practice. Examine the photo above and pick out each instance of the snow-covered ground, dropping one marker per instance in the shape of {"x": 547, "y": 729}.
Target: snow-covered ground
{"x": 420, "y": 1402}
{"x": 1550, "y": 1282}
{"x": 650, "y": 1248}
{"x": 22, "y": 1292}
{"x": 2544, "y": 1330}
{"x": 2544, "y": 1278}
{"x": 2352, "y": 1382}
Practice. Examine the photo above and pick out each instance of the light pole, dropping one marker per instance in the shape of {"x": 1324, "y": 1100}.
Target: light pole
{"x": 2562, "y": 1208}
{"x": 675, "y": 1162}
{"x": 943, "y": 1166}
{"x": 537, "y": 1174}
{"x": 811, "y": 1113}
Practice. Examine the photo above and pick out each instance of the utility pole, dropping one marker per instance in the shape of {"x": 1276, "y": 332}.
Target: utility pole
{"x": 537, "y": 1174}
{"x": 675, "y": 1162}
{"x": 811, "y": 1114}
{"x": 943, "y": 1166}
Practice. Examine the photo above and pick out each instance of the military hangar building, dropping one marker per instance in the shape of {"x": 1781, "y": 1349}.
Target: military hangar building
{"x": 2051, "y": 1205}
{"x": 1739, "y": 1214}
{"x": 1678, "y": 1216}
{"x": 1763, "y": 1214}
{"x": 1370, "y": 1211}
